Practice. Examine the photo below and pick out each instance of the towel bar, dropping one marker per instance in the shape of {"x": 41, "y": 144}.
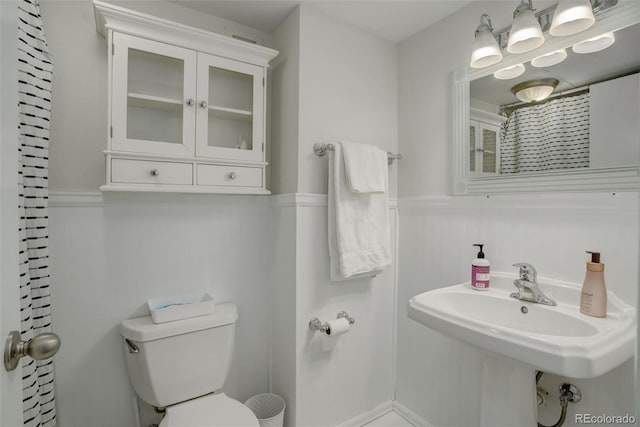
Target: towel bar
{"x": 321, "y": 148}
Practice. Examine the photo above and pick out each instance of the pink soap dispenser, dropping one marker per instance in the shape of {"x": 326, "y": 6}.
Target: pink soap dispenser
{"x": 593, "y": 297}
{"x": 480, "y": 269}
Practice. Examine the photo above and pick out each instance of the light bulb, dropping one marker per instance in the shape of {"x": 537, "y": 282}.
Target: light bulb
{"x": 526, "y": 33}
{"x": 485, "y": 51}
{"x": 571, "y": 17}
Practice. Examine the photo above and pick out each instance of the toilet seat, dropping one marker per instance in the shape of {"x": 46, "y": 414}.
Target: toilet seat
{"x": 213, "y": 410}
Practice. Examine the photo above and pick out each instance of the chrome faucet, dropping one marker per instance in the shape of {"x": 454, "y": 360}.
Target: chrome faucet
{"x": 528, "y": 289}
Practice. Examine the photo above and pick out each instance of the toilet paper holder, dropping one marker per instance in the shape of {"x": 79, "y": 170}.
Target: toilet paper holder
{"x": 316, "y": 325}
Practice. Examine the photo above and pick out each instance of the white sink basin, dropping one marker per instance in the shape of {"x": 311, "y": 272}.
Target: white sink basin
{"x": 555, "y": 339}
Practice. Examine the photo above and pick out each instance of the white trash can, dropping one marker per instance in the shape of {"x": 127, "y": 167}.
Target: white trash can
{"x": 268, "y": 408}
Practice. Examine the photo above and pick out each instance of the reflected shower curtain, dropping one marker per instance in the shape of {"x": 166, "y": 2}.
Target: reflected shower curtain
{"x": 545, "y": 137}
{"x": 34, "y": 90}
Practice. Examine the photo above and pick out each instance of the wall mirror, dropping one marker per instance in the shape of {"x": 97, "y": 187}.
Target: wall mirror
{"x": 585, "y": 135}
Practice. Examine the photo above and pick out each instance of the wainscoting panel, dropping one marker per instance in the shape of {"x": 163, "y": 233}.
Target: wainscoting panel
{"x": 439, "y": 378}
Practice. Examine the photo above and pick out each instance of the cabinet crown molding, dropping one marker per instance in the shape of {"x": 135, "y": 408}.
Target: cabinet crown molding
{"x": 116, "y": 18}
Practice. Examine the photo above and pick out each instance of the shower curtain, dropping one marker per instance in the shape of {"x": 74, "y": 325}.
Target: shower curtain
{"x": 34, "y": 89}
{"x": 544, "y": 137}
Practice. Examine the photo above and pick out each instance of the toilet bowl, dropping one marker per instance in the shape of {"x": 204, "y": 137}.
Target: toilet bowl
{"x": 214, "y": 410}
{"x": 181, "y": 366}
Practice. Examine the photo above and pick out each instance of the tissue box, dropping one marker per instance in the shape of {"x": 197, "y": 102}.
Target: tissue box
{"x": 180, "y": 307}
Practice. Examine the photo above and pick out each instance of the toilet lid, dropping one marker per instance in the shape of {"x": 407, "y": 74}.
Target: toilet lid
{"x": 214, "y": 410}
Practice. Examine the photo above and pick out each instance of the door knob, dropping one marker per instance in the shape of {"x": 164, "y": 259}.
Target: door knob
{"x": 40, "y": 347}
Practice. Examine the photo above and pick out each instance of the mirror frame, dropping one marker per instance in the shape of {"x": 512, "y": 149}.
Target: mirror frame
{"x": 624, "y": 14}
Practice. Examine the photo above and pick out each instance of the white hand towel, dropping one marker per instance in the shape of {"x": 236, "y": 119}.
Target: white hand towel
{"x": 359, "y": 230}
{"x": 366, "y": 167}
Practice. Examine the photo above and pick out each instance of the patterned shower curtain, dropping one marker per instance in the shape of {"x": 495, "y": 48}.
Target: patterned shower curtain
{"x": 544, "y": 137}
{"x": 34, "y": 88}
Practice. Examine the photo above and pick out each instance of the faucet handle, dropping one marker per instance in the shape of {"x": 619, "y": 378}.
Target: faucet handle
{"x": 527, "y": 272}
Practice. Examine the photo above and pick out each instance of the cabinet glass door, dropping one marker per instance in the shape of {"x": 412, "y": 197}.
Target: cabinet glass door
{"x": 484, "y": 148}
{"x": 490, "y": 153}
{"x": 229, "y": 121}
{"x": 153, "y": 97}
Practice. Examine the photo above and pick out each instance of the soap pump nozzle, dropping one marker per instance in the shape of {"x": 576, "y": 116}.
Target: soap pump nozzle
{"x": 595, "y": 264}
{"x": 595, "y": 256}
{"x": 480, "y": 245}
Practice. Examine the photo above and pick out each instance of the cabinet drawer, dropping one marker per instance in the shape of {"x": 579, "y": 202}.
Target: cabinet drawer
{"x": 150, "y": 172}
{"x": 230, "y": 176}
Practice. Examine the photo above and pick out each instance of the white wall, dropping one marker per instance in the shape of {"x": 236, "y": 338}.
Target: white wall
{"x": 108, "y": 258}
{"x": 173, "y": 11}
{"x": 79, "y": 99}
{"x": 611, "y": 107}
{"x": 426, "y": 63}
{"x": 356, "y": 376}
{"x": 348, "y": 91}
{"x": 282, "y": 315}
{"x": 438, "y": 377}
{"x": 436, "y": 373}
{"x": 285, "y": 104}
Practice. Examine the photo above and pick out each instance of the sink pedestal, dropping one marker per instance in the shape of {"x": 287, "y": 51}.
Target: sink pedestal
{"x": 508, "y": 390}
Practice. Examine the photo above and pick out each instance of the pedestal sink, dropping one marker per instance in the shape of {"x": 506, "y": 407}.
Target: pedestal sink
{"x": 553, "y": 339}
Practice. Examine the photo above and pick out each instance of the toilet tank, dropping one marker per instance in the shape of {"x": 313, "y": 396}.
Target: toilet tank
{"x": 176, "y": 361}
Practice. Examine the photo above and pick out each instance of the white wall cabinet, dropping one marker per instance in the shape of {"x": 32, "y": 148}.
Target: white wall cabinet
{"x": 187, "y": 107}
{"x": 484, "y": 143}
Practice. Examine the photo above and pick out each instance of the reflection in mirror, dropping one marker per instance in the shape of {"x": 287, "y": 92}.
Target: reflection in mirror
{"x": 586, "y": 120}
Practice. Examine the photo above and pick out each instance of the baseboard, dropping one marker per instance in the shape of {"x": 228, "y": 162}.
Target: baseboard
{"x": 409, "y": 415}
{"x": 383, "y": 409}
{"x": 368, "y": 416}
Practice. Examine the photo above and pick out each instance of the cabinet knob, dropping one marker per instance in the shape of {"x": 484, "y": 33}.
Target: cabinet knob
{"x": 190, "y": 102}
{"x": 233, "y": 175}
{"x": 203, "y": 104}
{"x": 155, "y": 172}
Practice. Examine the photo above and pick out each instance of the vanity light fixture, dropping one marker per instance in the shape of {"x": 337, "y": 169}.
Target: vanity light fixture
{"x": 571, "y": 17}
{"x": 526, "y": 33}
{"x": 509, "y": 72}
{"x": 534, "y": 90}
{"x": 594, "y": 44}
{"x": 549, "y": 59}
{"x": 485, "y": 47}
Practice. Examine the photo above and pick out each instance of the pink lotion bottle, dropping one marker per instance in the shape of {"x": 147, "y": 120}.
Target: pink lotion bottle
{"x": 593, "y": 297}
{"x": 480, "y": 269}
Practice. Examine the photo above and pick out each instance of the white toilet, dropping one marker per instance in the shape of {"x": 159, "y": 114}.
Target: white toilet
{"x": 182, "y": 365}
